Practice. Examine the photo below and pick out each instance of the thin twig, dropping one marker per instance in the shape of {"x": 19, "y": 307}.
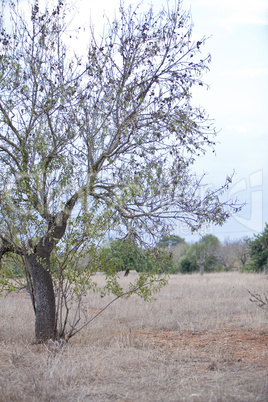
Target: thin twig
{"x": 72, "y": 333}
{"x": 262, "y": 301}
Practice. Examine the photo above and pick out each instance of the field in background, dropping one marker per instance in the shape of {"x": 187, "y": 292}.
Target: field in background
{"x": 202, "y": 340}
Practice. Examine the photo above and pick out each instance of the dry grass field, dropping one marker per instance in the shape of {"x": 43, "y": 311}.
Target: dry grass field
{"x": 202, "y": 340}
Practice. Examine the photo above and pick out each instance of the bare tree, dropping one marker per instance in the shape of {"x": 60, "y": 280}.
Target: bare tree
{"x": 234, "y": 253}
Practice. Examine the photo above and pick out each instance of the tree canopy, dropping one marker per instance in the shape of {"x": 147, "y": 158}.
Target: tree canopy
{"x": 258, "y": 249}
{"x": 204, "y": 254}
{"x": 98, "y": 143}
{"x": 126, "y": 255}
{"x": 170, "y": 241}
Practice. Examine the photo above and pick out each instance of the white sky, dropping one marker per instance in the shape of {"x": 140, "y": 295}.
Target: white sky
{"x": 237, "y": 99}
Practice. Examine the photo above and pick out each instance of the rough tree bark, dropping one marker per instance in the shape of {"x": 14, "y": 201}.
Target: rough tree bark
{"x": 39, "y": 264}
{"x": 44, "y": 297}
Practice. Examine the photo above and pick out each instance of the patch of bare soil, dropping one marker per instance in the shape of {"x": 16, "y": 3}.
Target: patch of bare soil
{"x": 224, "y": 346}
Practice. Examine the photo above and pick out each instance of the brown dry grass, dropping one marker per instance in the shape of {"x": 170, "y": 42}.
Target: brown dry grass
{"x": 202, "y": 340}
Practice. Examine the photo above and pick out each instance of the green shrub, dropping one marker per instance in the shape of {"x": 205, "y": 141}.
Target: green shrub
{"x": 258, "y": 249}
{"x": 187, "y": 266}
{"x": 250, "y": 267}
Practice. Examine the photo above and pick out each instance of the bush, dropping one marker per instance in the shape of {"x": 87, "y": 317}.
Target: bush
{"x": 187, "y": 266}
{"x": 258, "y": 249}
{"x": 250, "y": 267}
{"x": 221, "y": 268}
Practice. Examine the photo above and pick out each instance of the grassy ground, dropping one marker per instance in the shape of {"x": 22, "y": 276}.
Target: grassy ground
{"x": 202, "y": 340}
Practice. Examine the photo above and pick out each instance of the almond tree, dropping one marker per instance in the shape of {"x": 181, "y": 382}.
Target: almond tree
{"x": 205, "y": 251}
{"x": 98, "y": 143}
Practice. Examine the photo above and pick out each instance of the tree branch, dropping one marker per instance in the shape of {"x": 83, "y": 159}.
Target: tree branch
{"x": 73, "y": 331}
{"x": 13, "y": 128}
{"x": 7, "y": 247}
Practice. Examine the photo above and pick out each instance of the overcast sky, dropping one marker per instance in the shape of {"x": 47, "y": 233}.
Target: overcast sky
{"x": 237, "y": 99}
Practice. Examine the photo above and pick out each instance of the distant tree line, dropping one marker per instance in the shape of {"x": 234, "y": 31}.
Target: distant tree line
{"x": 175, "y": 255}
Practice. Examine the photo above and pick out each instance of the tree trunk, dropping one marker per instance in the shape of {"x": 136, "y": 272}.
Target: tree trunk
{"x": 44, "y": 298}
{"x": 202, "y": 268}
{"x": 39, "y": 263}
